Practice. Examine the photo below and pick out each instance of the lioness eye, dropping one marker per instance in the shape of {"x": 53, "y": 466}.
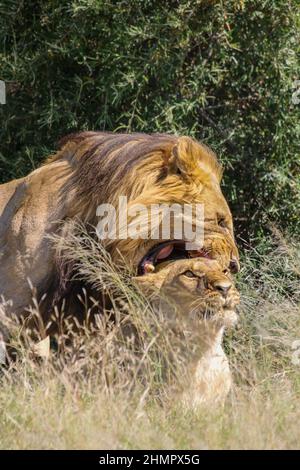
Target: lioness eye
{"x": 189, "y": 274}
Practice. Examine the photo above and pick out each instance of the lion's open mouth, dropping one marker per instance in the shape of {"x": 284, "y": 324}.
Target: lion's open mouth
{"x": 170, "y": 250}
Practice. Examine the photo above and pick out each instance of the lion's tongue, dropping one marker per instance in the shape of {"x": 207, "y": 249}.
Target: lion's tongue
{"x": 165, "y": 252}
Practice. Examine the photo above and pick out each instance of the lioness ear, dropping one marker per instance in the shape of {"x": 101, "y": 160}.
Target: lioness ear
{"x": 195, "y": 160}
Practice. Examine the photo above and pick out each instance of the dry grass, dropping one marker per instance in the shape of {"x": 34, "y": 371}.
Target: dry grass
{"x": 111, "y": 391}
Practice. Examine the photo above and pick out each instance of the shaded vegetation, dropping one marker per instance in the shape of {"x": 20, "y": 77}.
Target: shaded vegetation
{"x": 220, "y": 71}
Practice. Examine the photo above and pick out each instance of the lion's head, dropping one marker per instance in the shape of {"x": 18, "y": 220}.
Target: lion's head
{"x": 198, "y": 289}
{"x": 93, "y": 168}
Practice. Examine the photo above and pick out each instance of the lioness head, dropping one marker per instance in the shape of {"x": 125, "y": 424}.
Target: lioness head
{"x": 197, "y": 288}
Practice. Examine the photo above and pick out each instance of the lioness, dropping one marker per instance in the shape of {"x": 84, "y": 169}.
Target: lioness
{"x": 205, "y": 299}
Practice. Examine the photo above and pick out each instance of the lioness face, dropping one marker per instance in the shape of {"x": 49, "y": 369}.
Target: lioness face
{"x": 198, "y": 288}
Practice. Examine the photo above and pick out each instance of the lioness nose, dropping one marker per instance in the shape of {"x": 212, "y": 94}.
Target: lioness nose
{"x": 223, "y": 287}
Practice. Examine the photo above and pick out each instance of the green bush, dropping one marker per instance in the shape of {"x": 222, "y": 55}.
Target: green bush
{"x": 220, "y": 71}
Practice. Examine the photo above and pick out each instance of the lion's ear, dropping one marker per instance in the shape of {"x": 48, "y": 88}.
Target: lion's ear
{"x": 184, "y": 155}
{"x": 194, "y": 160}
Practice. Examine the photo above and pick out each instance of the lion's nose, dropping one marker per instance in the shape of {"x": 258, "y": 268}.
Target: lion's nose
{"x": 223, "y": 287}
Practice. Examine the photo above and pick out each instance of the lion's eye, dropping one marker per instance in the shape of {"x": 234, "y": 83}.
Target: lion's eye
{"x": 189, "y": 274}
{"x": 222, "y": 222}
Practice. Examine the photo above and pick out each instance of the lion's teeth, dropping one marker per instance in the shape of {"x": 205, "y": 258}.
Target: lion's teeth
{"x": 149, "y": 268}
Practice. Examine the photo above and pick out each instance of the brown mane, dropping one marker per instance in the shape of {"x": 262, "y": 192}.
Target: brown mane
{"x": 100, "y": 161}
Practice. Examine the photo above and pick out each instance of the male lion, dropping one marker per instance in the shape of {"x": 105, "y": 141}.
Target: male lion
{"x": 92, "y": 168}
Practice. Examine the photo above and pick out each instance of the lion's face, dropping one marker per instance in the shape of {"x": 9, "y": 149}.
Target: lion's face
{"x": 198, "y": 289}
{"x": 188, "y": 175}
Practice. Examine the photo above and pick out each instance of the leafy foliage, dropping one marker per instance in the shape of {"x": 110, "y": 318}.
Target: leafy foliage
{"x": 220, "y": 71}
